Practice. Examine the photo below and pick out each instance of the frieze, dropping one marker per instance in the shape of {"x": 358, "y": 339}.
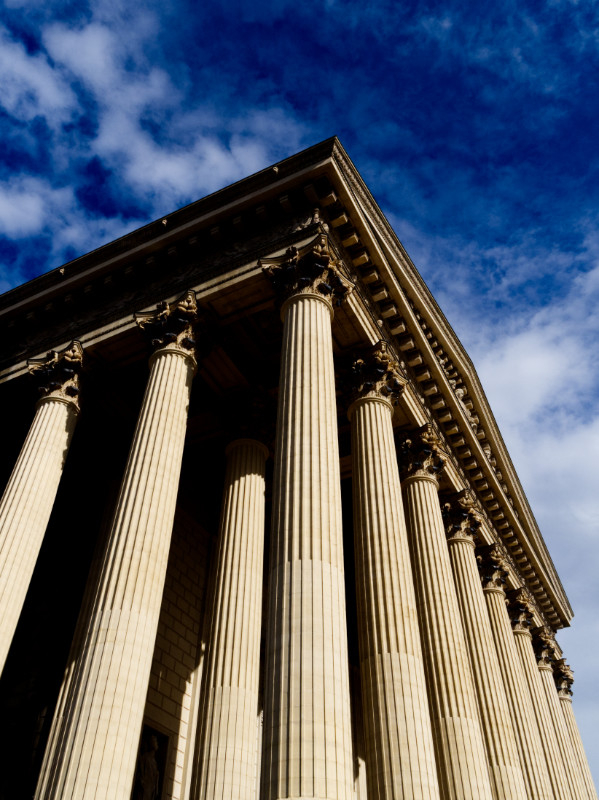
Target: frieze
{"x": 114, "y": 297}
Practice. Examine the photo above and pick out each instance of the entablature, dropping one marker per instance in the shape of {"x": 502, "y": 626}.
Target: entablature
{"x": 214, "y": 247}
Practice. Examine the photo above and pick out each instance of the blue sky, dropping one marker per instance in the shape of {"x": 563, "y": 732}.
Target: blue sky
{"x": 475, "y": 126}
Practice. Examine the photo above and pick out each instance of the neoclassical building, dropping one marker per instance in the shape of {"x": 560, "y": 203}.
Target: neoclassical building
{"x": 260, "y": 536}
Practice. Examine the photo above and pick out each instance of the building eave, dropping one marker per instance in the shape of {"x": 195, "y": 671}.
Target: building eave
{"x": 371, "y": 248}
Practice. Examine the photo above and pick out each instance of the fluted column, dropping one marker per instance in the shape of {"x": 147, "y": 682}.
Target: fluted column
{"x": 462, "y": 523}
{"x": 564, "y": 680}
{"x": 528, "y": 740}
{"x": 460, "y": 751}
{"x": 522, "y": 605}
{"x": 29, "y": 496}
{"x": 546, "y": 649}
{"x": 93, "y": 744}
{"x": 227, "y": 746}
{"x": 307, "y": 750}
{"x": 400, "y": 759}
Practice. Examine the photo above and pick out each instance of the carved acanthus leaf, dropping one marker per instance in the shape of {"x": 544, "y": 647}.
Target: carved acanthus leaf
{"x": 311, "y": 269}
{"x": 461, "y": 516}
{"x": 545, "y": 646}
{"x": 377, "y": 374}
{"x": 493, "y": 562}
{"x": 564, "y": 677}
{"x": 58, "y": 372}
{"x": 172, "y": 323}
{"x": 420, "y": 453}
{"x": 522, "y": 608}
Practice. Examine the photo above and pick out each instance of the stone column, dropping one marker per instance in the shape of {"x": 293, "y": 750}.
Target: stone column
{"x": 307, "y": 750}
{"x": 546, "y": 648}
{"x": 461, "y": 526}
{"x": 522, "y": 613}
{"x": 400, "y": 759}
{"x": 227, "y": 744}
{"x": 93, "y": 743}
{"x": 528, "y": 740}
{"x": 29, "y": 496}
{"x": 459, "y": 746}
{"x": 564, "y": 680}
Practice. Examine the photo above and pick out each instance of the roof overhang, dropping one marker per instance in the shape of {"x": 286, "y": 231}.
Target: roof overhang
{"x": 442, "y": 375}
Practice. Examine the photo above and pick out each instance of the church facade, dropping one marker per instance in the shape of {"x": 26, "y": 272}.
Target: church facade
{"x": 260, "y": 536}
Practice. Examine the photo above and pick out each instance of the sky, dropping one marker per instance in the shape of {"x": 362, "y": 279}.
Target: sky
{"x": 474, "y": 125}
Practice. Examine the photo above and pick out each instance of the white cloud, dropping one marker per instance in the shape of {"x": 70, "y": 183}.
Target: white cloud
{"x": 32, "y": 206}
{"x": 186, "y": 158}
{"x": 28, "y": 203}
{"x": 31, "y": 86}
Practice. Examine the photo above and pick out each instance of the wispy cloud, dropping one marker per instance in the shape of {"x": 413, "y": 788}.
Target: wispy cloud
{"x": 31, "y": 86}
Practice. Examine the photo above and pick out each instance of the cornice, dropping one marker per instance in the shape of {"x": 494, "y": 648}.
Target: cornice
{"x": 427, "y": 340}
{"x": 169, "y": 255}
{"x": 157, "y": 235}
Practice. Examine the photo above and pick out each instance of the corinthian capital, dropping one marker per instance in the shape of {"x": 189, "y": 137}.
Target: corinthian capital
{"x": 377, "y": 374}
{"x": 545, "y": 646}
{"x": 309, "y": 270}
{"x": 172, "y": 324}
{"x": 461, "y": 517}
{"x": 420, "y": 453}
{"x": 58, "y": 373}
{"x": 564, "y": 677}
{"x": 493, "y": 565}
{"x": 521, "y": 607}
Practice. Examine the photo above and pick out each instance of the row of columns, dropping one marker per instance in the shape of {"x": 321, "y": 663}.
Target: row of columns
{"x": 455, "y": 704}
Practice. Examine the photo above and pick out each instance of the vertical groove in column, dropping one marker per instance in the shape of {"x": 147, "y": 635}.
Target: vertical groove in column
{"x": 461, "y": 758}
{"x": 532, "y": 757}
{"x": 26, "y": 506}
{"x": 94, "y": 742}
{"x": 227, "y": 746}
{"x": 400, "y": 760}
{"x": 564, "y": 743}
{"x": 504, "y": 764}
{"x": 553, "y": 756}
{"x": 307, "y": 732}
{"x": 576, "y": 740}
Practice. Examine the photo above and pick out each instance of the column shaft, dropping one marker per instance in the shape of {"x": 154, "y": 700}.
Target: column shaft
{"x": 227, "y": 746}
{"x": 532, "y": 757}
{"x": 576, "y": 740}
{"x": 572, "y": 771}
{"x": 400, "y": 760}
{"x": 307, "y": 749}
{"x": 26, "y": 506}
{"x": 505, "y": 771}
{"x": 461, "y": 757}
{"x": 553, "y": 756}
{"x": 93, "y": 745}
